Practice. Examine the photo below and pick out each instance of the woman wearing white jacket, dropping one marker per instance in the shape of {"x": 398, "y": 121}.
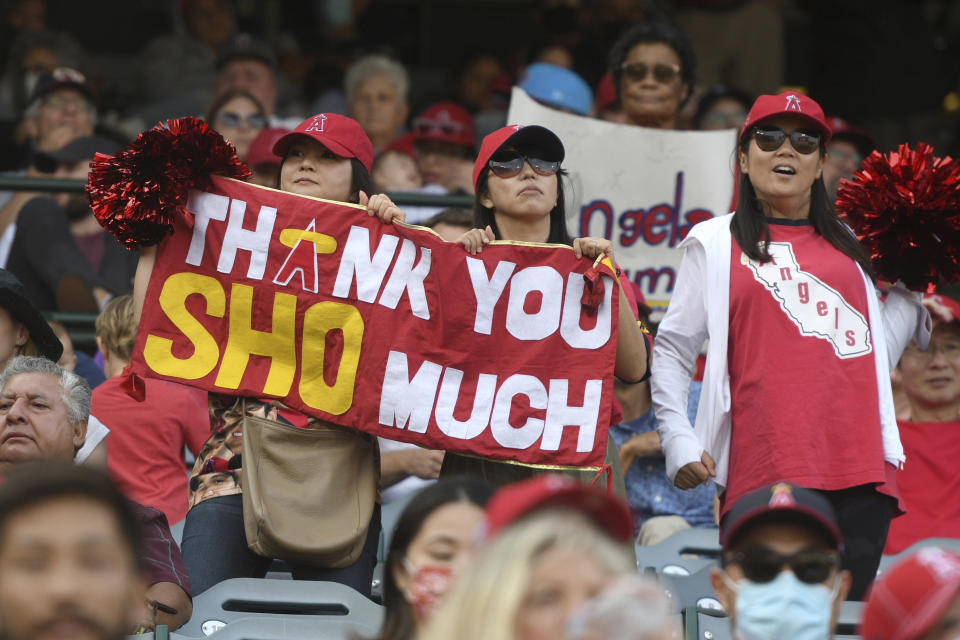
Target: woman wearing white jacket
{"x": 796, "y": 385}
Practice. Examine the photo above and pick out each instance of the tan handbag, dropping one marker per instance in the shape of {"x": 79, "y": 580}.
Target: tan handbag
{"x": 308, "y": 494}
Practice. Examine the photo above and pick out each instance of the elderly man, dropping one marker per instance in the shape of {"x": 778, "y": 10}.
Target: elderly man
{"x": 43, "y": 416}
{"x": 782, "y": 574}
{"x": 376, "y": 88}
{"x": 69, "y": 556}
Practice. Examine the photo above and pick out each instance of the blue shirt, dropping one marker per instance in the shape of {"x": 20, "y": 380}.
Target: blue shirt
{"x": 649, "y": 491}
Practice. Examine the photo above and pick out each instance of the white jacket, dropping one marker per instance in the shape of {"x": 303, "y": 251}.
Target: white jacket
{"x": 700, "y": 309}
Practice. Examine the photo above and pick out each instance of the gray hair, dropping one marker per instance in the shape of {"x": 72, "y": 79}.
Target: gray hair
{"x": 74, "y": 390}
{"x": 376, "y": 65}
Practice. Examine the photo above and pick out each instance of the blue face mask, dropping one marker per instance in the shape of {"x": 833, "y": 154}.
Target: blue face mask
{"x": 783, "y": 609}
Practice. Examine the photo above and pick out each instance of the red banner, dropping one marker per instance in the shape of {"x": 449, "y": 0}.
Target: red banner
{"x": 384, "y": 328}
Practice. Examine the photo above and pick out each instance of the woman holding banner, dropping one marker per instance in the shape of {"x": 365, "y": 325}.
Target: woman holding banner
{"x": 796, "y": 386}
{"x": 327, "y": 156}
{"x": 519, "y": 197}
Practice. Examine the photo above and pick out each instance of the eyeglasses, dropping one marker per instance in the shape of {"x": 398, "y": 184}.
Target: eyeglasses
{"x": 232, "y": 119}
{"x": 761, "y": 564}
{"x": 662, "y": 72}
{"x": 511, "y": 165}
{"x": 427, "y": 127}
{"x": 948, "y": 349}
{"x": 772, "y": 138}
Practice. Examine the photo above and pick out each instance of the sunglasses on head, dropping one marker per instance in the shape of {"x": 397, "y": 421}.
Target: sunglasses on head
{"x": 662, "y": 72}
{"x": 772, "y": 138}
{"x": 761, "y": 564}
{"x": 233, "y": 119}
{"x": 511, "y": 163}
{"x": 423, "y": 126}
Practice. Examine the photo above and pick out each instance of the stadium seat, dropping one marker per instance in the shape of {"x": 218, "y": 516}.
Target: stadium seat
{"x": 682, "y": 554}
{"x": 706, "y": 624}
{"x": 848, "y": 621}
{"x": 389, "y": 514}
{"x": 263, "y": 628}
{"x": 952, "y": 544}
{"x": 691, "y": 591}
{"x": 280, "y": 600}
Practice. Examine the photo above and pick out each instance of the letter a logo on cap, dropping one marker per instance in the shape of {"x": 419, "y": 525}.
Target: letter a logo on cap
{"x": 517, "y": 127}
{"x": 318, "y": 121}
{"x": 793, "y": 103}
{"x": 782, "y": 496}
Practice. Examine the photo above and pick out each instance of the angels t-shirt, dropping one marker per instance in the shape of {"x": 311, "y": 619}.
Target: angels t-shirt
{"x": 929, "y": 484}
{"x": 802, "y": 374}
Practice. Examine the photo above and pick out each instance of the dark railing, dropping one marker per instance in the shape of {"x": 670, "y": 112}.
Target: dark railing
{"x": 81, "y": 325}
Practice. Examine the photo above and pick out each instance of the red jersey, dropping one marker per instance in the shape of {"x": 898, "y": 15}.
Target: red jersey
{"x": 802, "y": 373}
{"x": 929, "y": 484}
{"x": 146, "y": 441}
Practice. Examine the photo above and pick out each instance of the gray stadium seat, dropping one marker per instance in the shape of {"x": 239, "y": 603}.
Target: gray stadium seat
{"x": 691, "y": 591}
{"x": 279, "y": 600}
{"x": 321, "y": 628}
{"x": 951, "y": 544}
{"x": 684, "y": 553}
{"x": 706, "y": 624}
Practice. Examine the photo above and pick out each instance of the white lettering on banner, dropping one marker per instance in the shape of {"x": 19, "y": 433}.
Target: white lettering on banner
{"x": 204, "y": 207}
{"x": 403, "y": 398}
{"x": 503, "y": 432}
{"x": 257, "y": 242}
{"x": 480, "y": 412}
{"x": 815, "y": 308}
{"x": 487, "y": 292}
{"x": 570, "y": 329}
{"x": 535, "y": 326}
{"x": 406, "y": 277}
{"x": 357, "y": 261}
{"x": 406, "y": 403}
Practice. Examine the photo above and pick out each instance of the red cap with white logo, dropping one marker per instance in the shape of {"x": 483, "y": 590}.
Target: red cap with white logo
{"x": 788, "y": 103}
{"x": 341, "y": 135}
{"x": 445, "y": 122}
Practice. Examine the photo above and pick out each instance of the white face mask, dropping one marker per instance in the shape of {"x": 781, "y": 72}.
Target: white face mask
{"x": 783, "y": 609}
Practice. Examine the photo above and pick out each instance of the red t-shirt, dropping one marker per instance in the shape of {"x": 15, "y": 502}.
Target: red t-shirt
{"x": 802, "y": 373}
{"x": 146, "y": 441}
{"x": 929, "y": 483}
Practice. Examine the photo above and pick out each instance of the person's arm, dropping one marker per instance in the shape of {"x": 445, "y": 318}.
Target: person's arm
{"x": 631, "y": 363}
{"x": 680, "y": 337}
{"x": 172, "y": 596}
{"x": 148, "y": 257}
{"x": 98, "y": 457}
{"x": 399, "y": 465}
{"x": 642, "y": 445}
{"x": 164, "y": 570}
{"x": 904, "y": 319}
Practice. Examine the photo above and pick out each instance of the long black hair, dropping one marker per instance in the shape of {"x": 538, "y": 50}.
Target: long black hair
{"x": 483, "y": 216}
{"x": 750, "y": 230}
{"x": 398, "y": 623}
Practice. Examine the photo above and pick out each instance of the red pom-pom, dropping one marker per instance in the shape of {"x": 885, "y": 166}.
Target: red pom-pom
{"x": 905, "y": 208}
{"x": 137, "y": 193}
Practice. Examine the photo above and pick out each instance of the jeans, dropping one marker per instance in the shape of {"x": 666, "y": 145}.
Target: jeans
{"x": 215, "y": 548}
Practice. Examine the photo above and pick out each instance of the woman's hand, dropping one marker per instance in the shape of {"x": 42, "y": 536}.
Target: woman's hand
{"x": 381, "y": 206}
{"x": 475, "y": 239}
{"x": 592, "y": 247}
{"x": 694, "y": 474}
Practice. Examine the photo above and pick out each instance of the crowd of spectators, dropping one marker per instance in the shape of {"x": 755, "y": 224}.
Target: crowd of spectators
{"x": 543, "y": 557}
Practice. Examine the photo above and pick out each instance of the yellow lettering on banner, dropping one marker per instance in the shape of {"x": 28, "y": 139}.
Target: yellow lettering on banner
{"x": 279, "y": 343}
{"x": 319, "y": 320}
{"x": 158, "y": 352}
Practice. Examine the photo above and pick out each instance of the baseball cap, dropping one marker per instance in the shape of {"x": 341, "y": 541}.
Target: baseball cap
{"x": 513, "y": 502}
{"x": 445, "y": 122}
{"x": 245, "y": 46}
{"x": 261, "y": 149}
{"x": 557, "y": 87}
{"x": 909, "y": 599}
{"x": 14, "y": 299}
{"x": 787, "y": 103}
{"x": 342, "y": 135}
{"x": 541, "y": 137}
{"x": 952, "y": 305}
{"x": 80, "y": 149}
{"x": 857, "y": 136}
{"x": 776, "y": 503}
{"x": 60, "y": 78}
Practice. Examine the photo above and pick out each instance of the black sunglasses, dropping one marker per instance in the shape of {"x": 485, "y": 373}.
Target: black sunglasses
{"x": 507, "y": 166}
{"x": 772, "y": 138}
{"x": 761, "y": 564}
{"x": 662, "y": 72}
{"x": 231, "y": 119}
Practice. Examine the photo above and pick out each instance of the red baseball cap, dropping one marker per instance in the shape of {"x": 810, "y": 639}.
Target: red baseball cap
{"x": 952, "y": 305}
{"x": 787, "y": 103}
{"x": 342, "y": 135}
{"x": 261, "y": 149}
{"x": 445, "y": 122}
{"x": 909, "y": 599}
{"x": 513, "y": 502}
{"x": 544, "y": 139}
{"x": 857, "y": 136}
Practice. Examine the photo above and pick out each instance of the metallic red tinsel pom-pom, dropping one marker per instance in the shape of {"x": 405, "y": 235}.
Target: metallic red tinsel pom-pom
{"x": 905, "y": 208}
{"x": 137, "y": 193}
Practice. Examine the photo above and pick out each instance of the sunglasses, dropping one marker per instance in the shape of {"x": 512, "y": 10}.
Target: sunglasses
{"x": 510, "y": 165}
{"x": 772, "y": 138}
{"x": 426, "y": 127}
{"x": 761, "y": 564}
{"x": 232, "y": 119}
{"x": 662, "y": 72}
